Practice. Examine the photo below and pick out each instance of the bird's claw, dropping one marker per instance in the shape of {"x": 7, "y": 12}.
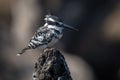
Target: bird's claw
{"x": 48, "y": 49}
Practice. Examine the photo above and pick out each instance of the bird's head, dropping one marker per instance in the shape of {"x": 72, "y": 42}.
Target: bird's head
{"x": 53, "y": 20}
{"x": 50, "y": 19}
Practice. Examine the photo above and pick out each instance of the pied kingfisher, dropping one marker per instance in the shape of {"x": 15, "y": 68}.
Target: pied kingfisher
{"x": 47, "y": 35}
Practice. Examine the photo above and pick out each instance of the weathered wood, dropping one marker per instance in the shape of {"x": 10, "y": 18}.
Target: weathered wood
{"x": 51, "y": 65}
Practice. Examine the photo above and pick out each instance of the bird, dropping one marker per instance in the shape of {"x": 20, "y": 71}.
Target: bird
{"x": 47, "y": 35}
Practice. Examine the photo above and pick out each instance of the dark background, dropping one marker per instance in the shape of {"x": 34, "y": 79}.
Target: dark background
{"x": 93, "y": 53}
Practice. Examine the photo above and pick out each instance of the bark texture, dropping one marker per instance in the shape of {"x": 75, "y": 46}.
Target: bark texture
{"x": 51, "y": 65}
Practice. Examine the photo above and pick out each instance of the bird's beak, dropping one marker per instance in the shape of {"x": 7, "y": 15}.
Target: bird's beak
{"x": 69, "y": 27}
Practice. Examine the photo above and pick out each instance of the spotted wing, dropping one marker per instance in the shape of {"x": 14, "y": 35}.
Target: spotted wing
{"x": 42, "y": 37}
{"x": 47, "y": 33}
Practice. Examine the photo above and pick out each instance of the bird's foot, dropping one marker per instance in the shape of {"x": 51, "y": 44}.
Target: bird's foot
{"x": 48, "y": 49}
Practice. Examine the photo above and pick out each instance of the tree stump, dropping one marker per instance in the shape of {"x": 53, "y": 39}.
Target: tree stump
{"x": 51, "y": 65}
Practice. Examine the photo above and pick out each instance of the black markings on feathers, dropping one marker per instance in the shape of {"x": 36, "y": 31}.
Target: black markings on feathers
{"x": 43, "y": 36}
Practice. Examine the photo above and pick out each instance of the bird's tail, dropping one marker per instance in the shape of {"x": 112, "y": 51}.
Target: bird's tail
{"x": 26, "y": 48}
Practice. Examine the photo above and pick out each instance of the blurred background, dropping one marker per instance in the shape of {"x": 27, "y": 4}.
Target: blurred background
{"x": 93, "y": 53}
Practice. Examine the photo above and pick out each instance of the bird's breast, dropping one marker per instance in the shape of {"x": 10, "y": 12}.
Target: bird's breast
{"x": 55, "y": 40}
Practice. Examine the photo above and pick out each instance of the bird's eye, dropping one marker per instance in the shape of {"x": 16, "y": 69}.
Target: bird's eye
{"x": 51, "y": 23}
{"x": 56, "y": 23}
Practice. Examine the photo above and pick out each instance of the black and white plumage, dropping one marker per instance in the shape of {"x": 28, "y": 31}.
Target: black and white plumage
{"x": 47, "y": 35}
